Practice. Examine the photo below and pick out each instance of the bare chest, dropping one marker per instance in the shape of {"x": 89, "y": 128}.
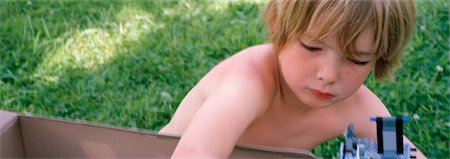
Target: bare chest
{"x": 302, "y": 134}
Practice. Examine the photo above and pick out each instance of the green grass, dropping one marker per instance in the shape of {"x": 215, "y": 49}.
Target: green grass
{"x": 129, "y": 63}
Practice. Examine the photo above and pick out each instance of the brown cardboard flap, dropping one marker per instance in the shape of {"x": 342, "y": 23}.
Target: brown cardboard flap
{"x": 52, "y": 138}
{"x": 48, "y": 138}
{"x": 10, "y": 137}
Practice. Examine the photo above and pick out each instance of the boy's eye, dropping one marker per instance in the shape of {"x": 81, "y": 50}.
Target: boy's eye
{"x": 310, "y": 48}
{"x": 362, "y": 63}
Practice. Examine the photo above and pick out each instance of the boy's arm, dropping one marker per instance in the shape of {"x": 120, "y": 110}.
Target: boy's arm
{"x": 375, "y": 108}
{"x": 223, "y": 117}
{"x": 418, "y": 153}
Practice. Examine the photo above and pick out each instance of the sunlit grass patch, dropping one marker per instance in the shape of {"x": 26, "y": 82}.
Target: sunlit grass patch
{"x": 86, "y": 49}
{"x": 90, "y": 48}
{"x": 133, "y": 23}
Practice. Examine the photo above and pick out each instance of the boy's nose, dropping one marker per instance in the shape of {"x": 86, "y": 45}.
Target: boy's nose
{"x": 329, "y": 71}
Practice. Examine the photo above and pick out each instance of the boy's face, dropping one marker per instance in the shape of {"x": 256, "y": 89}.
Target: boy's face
{"x": 318, "y": 72}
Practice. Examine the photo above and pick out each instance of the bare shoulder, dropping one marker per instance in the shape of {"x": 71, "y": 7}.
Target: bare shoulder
{"x": 358, "y": 110}
{"x": 253, "y": 66}
{"x": 368, "y": 103}
{"x": 248, "y": 71}
{"x": 242, "y": 92}
{"x": 253, "y": 63}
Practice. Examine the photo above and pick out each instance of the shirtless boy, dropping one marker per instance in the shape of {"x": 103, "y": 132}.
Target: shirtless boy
{"x": 303, "y": 88}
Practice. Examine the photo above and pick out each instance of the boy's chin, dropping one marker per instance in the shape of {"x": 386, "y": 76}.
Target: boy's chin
{"x": 321, "y": 106}
{"x": 320, "y": 103}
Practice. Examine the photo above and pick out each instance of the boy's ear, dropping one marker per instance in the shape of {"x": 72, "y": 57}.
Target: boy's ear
{"x": 274, "y": 29}
{"x": 273, "y": 26}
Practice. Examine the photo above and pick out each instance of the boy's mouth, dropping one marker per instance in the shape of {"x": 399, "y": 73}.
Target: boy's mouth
{"x": 320, "y": 94}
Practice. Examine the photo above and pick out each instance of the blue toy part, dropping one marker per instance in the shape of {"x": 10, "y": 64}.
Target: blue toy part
{"x": 404, "y": 119}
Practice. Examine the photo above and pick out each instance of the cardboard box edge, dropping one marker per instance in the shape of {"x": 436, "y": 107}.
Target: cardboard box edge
{"x": 154, "y": 134}
{"x": 11, "y": 141}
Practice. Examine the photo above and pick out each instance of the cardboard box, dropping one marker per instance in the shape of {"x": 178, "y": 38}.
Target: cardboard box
{"x": 25, "y": 136}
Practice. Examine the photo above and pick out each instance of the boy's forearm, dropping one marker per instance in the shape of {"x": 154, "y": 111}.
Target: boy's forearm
{"x": 417, "y": 153}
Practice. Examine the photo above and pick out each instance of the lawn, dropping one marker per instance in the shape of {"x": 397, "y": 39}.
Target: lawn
{"x": 129, "y": 63}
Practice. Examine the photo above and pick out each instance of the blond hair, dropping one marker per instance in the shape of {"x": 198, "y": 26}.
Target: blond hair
{"x": 391, "y": 21}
